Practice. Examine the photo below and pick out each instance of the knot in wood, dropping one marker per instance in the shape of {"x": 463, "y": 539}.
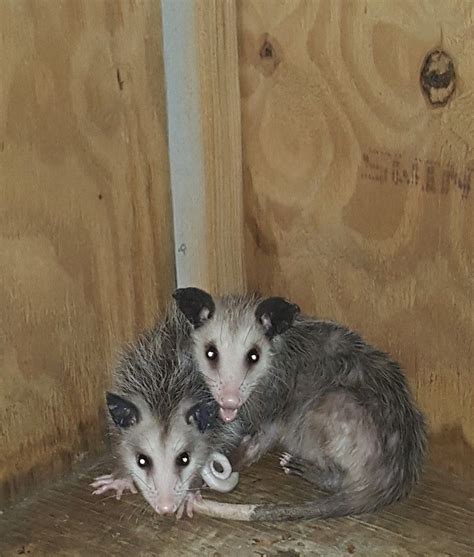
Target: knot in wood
{"x": 438, "y": 78}
{"x": 269, "y": 55}
{"x": 267, "y": 49}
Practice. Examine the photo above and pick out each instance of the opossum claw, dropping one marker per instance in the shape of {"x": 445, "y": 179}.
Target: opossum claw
{"x": 108, "y": 483}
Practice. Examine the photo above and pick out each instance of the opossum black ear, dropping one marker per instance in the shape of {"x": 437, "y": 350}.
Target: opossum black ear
{"x": 276, "y": 315}
{"x": 203, "y": 414}
{"x": 197, "y": 305}
{"x": 124, "y": 413}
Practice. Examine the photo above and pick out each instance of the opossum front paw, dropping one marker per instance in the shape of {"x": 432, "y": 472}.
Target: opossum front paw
{"x": 188, "y": 504}
{"x": 108, "y": 483}
{"x": 292, "y": 465}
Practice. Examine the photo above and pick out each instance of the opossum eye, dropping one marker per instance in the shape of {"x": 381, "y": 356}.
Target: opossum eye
{"x": 183, "y": 460}
{"x": 211, "y": 352}
{"x": 143, "y": 461}
{"x": 253, "y": 356}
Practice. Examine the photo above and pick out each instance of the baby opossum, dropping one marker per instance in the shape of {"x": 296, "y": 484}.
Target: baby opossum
{"x": 163, "y": 420}
{"x": 340, "y": 409}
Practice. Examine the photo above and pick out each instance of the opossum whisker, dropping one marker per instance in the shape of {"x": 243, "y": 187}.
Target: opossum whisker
{"x": 203, "y": 488}
{"x": 210, "y": 379}
{"x": 247, "y": 335}
{"x": 135, "y": 477}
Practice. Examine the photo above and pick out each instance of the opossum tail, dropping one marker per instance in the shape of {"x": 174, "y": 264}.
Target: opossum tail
{"x": 339, "y": 504}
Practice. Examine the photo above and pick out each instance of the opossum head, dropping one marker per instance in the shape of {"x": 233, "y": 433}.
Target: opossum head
{"x": 164, "y": 459}
{"x": 234, "y": 338}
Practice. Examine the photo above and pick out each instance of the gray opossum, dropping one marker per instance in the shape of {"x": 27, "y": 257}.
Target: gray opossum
{"x": 340, "y": 409}
{"x": 163, "y": 420}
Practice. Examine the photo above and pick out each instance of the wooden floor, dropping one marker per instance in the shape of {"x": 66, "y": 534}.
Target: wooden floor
{"x": 67, "y": 520}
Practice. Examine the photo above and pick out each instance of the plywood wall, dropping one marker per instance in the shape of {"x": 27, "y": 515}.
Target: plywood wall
{"x": 85, "y": 222}
{"x": 359, "y": 193}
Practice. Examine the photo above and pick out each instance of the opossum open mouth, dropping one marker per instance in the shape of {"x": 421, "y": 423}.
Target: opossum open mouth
{"x": 228, "y": 414}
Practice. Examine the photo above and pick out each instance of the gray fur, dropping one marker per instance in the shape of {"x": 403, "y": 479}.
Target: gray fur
{"x": 156, "y": 375}
{"x": 325, "y": 396}
{"x": 157, "y": 366}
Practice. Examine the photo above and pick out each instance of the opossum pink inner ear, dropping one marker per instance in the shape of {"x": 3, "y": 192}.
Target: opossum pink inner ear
{"x": 197, "y": 305}
{"x": 276, "y": 315}
{"x": 124, "y": 413}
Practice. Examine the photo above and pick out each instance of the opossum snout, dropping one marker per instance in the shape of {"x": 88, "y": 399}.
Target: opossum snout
{"x": 229, "y": 406}
{"x": 228, "y": 414}
{"x": 230, "y": 401}
{"x": 165, "y": 504}
{"x": 165, "y": 507}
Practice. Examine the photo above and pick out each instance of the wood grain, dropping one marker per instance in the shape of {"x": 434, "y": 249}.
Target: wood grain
{"x": 222, "y": 143}
{"x": 435, "y": 522}
{"x": 86, "y": 252}
{"x": 358, "y": 193}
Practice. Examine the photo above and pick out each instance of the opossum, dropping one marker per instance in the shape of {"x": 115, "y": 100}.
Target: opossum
{"x": 340, "y": 409}
{"x": 164, "y": 423}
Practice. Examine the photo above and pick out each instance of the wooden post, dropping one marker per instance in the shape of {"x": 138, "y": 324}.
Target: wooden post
{"x": 203, "y": 98}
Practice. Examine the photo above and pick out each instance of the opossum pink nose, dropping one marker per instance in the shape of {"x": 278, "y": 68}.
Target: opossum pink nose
{"x": 230, "y": 401}
{"x": 164, "y": 509}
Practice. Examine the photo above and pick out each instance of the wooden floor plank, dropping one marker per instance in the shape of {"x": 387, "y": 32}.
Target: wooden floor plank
{"x": 66, "y": 519}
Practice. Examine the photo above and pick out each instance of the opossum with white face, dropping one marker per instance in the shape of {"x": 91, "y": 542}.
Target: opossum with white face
{"x": 163, "y": 420}
{"x": 339, "y": 408}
